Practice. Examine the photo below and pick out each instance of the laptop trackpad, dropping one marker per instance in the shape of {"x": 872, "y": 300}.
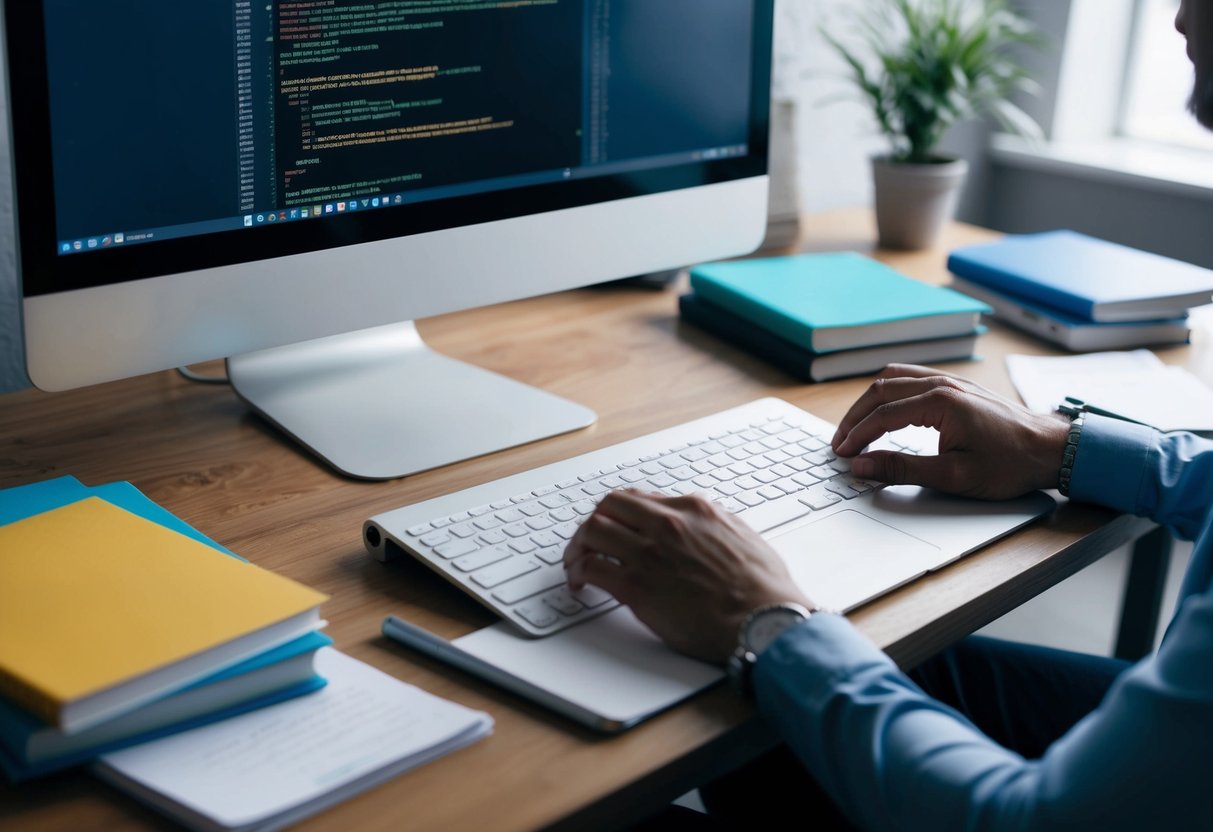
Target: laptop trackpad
{"x": 846, "y": 559}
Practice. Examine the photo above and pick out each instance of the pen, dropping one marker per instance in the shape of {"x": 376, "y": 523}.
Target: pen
{"x": 1077, "y": 406}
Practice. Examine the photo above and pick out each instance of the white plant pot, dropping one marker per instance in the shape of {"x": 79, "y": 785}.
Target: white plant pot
{"x": 914, "y": 201}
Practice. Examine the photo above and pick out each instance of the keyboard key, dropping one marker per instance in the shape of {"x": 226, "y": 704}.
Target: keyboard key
{"x": 435, "y": 539}
{"x": 500, "y": 504}
{"x": 506, "y": 570}
{"x": 510, "y": 515}
{"x": 592, "y": 596}
{"x": 562, "y": 514}
{"x": 750, "y": 498}
{"x": 662, "y": 481}
{"x": 532, "y": 509}
{"x": 552, "y": 554}
{"x": 842, "y": 489}
{"x": 553, "y": 501}
{"x": 583, "y": 507}
{"x": 464, "y": 530}
{"x": 728, "y": 489}
{"x": 818, "y": 497}
{"x": 419, "y": 529}
{"x": 612, "y": 481}
{"x": 542, "y": 539}
{"x": 782, "y": 470}
{"x": 564, "y": 603}
{"x": 474, "y": 561}
{"x": 787, "y": 486}
{"x": 539, "y": 523}
{"x": 530, "y": 584}
{"x": 456, "y": 548}
{"x": 730, "y": 505}
{"x": 486, "y": 523}
{"x": 537, "y": 613}
{"x": 565, "y": 530}
{"x": 770, "y": 492}
{"x": 632, "y": 476}
{"x": 684, "y": 473}
{"x": 765, "y": 476}
{"x": 492, "y": 537}
{"x": 522, "y": 545}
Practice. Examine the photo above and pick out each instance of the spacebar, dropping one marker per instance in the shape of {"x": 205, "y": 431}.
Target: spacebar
{"x": 767, "y": 516}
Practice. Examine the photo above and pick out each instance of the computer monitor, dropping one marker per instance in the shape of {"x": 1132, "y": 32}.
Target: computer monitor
{"x": 288, "y": 184}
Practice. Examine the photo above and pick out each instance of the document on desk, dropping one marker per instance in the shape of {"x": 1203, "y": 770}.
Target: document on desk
{"x": 1133, "y": 384}
{"x": 273, "y": 767}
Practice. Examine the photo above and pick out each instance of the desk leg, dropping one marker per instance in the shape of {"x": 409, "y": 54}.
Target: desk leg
{"x": 1143, "y": 593}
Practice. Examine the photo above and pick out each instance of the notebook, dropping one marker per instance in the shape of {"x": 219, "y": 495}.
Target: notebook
{"x": 102, "y": 611}
{"x": 835, "y": 301}
{"x": 1094, "y": 279}
{"x": 278, "y": 765}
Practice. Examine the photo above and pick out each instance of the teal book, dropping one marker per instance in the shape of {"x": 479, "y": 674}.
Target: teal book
{"x": 835, "y": 301}
{"x": 809, "y": 366}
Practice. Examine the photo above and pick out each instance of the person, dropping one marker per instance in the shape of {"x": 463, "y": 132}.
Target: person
{"x": 988, "y": 735}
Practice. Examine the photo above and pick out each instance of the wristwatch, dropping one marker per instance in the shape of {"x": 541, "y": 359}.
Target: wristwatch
{"x": 758, "y": 630}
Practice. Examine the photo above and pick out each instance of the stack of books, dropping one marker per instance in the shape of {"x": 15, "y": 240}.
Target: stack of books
{"x": 119, "y": 623}
{"x": 825, "y": 316}
{"x": 1081, "y": 292}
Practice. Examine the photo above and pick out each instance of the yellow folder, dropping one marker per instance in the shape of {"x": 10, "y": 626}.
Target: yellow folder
{"x": 101, "y": 610}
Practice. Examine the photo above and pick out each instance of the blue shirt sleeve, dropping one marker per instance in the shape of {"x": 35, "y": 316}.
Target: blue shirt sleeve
{"x": 1132, "y": 468}
{"x": 896, "y": 759}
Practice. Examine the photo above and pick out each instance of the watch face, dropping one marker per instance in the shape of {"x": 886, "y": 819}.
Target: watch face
{"x": 768, "y": 626}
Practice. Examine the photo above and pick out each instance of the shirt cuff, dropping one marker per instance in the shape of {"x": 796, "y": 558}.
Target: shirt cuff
{"x": 817, "y": 653}
{"x": 1111, "y": 462}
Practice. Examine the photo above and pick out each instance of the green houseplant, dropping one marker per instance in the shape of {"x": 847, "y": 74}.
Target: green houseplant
{"x": 922, "y": 66}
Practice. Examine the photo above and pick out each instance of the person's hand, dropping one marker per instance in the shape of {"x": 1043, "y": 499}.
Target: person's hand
{"x": 689, "y": 570}
{"x": 989, "y": 446}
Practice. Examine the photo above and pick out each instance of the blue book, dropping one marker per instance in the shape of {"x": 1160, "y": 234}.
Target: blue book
{"x": 1090, "y": 278}
{"x": 835, "y": 301}
{"x": 1074, "y": 333}
{"x": 810, "y": 366}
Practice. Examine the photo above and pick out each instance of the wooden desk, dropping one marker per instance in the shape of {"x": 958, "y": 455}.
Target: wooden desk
{"x": 197, "y": 451}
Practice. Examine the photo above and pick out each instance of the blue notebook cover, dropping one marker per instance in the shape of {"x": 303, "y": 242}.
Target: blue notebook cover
{"x": 1091, "y": 278}
{"x": 24, "y": 501}
{"x": 835, "y": 301}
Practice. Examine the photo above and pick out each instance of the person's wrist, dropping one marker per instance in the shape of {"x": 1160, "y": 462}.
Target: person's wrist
{"x": 1049, "y": 449}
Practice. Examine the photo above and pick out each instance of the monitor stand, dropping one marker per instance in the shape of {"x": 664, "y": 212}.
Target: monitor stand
{"x": 379, "y": 403}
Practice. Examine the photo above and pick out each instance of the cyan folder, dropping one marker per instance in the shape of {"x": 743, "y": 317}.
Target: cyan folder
{"x": 24, "y": 501}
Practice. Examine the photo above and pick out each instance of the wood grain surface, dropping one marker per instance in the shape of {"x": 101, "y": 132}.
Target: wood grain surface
{"x": 618, "y": 349}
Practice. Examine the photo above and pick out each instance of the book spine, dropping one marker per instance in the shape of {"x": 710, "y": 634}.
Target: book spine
{"x": 760, "y": 344}
{"x": 753, "y": 311}
{"x": 1005, "y": 281}
{"x": 26, "y": 696}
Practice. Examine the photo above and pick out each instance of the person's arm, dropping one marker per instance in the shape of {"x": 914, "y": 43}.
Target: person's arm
{"x": 1136, "y": 469}
{"x": 896, "y": 759}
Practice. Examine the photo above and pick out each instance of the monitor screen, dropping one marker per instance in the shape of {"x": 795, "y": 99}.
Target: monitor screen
{"x": 288, "y": 184}
{"x": 216, "y": 132}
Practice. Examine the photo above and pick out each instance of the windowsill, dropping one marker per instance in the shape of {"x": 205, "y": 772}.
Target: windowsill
{"x": 1127, "y": 162}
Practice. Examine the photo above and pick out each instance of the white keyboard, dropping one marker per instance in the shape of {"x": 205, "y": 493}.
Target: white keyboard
{"x": 503, "y": 542}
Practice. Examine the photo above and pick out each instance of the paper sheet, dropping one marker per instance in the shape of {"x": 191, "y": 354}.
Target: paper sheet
{"x": 274, "y": 766}
{"x": 1135, "y": 384}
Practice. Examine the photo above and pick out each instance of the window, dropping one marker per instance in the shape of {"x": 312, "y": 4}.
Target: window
{"x": 1158, "y": 81}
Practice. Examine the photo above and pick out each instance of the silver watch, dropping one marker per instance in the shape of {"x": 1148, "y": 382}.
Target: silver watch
{"x": 758, "y": 630}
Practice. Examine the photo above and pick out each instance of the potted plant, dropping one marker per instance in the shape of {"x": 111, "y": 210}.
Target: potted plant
{"x": 930, "y": 64}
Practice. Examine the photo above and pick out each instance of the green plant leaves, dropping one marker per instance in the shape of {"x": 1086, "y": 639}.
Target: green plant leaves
{"x": 931, "y": 63}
